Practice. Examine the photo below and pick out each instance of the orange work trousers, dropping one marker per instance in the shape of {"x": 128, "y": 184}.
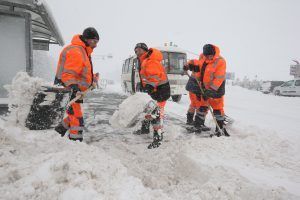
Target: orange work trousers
{"x": 74, "y": 121}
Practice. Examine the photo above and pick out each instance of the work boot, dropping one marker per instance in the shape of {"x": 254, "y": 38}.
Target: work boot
{"x": 189, "y": 118}
{"x": 158, "y": 135}
{"x": 157, "y": 138}
{"x": 218, "y": 133}
{"x": 198, "y": 126}
{"x": 76, "y": 137}
{"x": 145, "y": 129}
{"x": 61, "y": 130}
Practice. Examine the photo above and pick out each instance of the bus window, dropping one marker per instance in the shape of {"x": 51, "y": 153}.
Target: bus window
{"x": 136, "y": 64}
{"x": 176, "y": 63}
{"x": 131, "y": 64}
{"x": 126, "y": 66}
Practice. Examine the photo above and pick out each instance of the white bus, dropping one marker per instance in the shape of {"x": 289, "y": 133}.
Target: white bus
{"x": 173, "y": 61}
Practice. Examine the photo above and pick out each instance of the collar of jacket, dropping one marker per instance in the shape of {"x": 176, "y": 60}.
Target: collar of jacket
{"x": 143, "y": 57}
{"x": 155, "y": 54}
{"x": 77, "y": 41}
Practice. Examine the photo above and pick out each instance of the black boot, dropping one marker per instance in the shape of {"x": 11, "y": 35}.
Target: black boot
{"x": 224, "y": 132}
{"x": 145, "y": 129}
{"x": 61, "y": 130}
{"x": 157, "y": 138}
{"x": 198, "y": 125}
{"x": 189, "y": 118}
{"x": 76, "y": 137}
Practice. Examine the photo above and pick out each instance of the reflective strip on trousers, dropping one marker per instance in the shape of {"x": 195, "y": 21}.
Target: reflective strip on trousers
{"x": 76, "y": 136}
{"x": 220, "y": 117}
{"x": 76, "y": 128}
{"x": 200, "y": 115}
{"x": 66, "y": 123}
{"x": 157, "y": 126}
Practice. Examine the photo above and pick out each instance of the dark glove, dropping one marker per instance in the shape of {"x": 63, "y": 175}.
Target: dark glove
{"x": 74, "y": 90}
{"x": 149, "y": 89}
{"x": 209, "y": 94}
{"x": 198, "y": 95}
{"x": 186, "y": 67}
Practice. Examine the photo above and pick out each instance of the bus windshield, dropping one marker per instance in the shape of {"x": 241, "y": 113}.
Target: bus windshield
{"x": 174, "y": 62}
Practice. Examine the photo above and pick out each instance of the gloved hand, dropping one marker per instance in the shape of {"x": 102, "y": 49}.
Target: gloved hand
{"x": 208, "y": 94}
{"x": 186, "y": 67}
{"x": 198, "y": 96}
{"x": 74, "y": 90}
{"x": 149, "y": 89}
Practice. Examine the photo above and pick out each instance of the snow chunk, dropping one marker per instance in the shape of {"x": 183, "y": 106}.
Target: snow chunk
{"x": 129, "y": 110}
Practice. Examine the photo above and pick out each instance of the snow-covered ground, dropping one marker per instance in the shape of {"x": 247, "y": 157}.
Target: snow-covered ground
{"x": 259, "y": 161}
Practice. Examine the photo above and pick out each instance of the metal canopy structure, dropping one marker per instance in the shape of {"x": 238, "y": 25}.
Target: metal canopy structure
{"x": 25, "y": 25}
{"x": 43, "y": 26}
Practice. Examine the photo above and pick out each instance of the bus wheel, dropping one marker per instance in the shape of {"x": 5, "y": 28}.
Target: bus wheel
{"x": 176, "y": 98}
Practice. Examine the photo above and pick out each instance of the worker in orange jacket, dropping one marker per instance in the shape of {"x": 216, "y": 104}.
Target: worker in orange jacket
{"x": 211, "y": 71}
{"x": 155, "y": 83}
{"x": 193, "y": 89}
{"x": 75, "y": 72}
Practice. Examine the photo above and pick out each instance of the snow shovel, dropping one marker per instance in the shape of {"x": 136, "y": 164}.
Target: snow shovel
{"x": 209, "y": 106}
{"x": 79, "y": 96}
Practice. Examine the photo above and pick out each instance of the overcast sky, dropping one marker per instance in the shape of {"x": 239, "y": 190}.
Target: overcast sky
{"x": 257, "y": 37}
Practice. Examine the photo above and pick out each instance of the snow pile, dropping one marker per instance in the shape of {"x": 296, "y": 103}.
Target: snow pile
{"x": 21, "y": 94}
{"x": 129, "y": 110}
{"x": 42, "y": 165}
{"x": 258, "y": 161}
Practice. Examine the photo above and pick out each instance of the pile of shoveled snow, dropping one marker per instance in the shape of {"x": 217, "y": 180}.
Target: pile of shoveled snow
{"x": 21, "y": 94}
{"x": 129, "y": 110}
{"x": 256, "y": 162}
{"x": 42, "y": 165}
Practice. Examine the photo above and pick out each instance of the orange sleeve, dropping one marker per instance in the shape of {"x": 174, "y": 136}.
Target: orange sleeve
{"x": 219, "y": 75}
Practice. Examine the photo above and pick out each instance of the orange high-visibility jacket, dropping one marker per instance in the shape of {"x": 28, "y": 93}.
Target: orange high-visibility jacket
{"x": 215, "y": 72}
{"x": 74, "y": 65}
{"x": 152, "y": 71}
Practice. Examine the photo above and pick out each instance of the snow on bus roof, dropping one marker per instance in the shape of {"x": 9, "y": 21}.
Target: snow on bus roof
{"x": 171, "y": 49}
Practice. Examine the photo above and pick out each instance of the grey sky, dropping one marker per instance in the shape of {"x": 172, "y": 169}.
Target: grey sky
{"x": 258, "y": 37}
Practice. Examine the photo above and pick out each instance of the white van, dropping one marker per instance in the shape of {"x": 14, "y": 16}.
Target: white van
{"x": 173, "y": 61}
{"x": 268, "y": 86}
{"x": 289, "y": 88}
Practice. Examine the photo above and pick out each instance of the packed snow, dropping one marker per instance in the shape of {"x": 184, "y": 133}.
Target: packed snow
{"x": 259, "y": 161}
{"x": 130, "y": 109}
